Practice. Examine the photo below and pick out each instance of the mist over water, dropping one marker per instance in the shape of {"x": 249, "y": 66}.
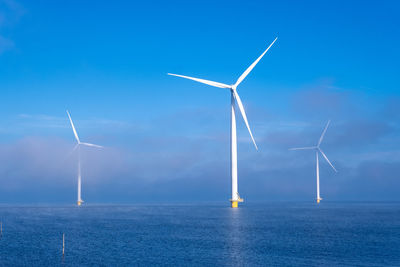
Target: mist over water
{"x": 284, "y": 234}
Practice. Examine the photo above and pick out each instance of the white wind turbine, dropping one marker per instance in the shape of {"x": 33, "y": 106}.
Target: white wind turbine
{"x": 78, "y": 146}
{"x": 234, "y": 98}
{"x": 318, "y": 149}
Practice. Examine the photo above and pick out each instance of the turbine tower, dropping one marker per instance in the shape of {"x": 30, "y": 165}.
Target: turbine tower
{"x": 234, "y": 99}
{"x": 317, "y": 151}
{"x": 78, "y": 146}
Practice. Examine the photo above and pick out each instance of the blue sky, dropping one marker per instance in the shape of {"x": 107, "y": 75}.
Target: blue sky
{"x": 167, "y": 139}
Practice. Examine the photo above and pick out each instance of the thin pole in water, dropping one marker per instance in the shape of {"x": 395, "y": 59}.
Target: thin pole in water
{"x": 63, "y": 243}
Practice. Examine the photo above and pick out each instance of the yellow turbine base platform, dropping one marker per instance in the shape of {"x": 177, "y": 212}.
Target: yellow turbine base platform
{"x": 235, "y": 203}
{"x": 319, "y": 200}
{"x": 79, "y": 203}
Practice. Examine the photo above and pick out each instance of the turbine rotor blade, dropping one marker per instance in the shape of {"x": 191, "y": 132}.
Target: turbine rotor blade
{"x": 75, "y": 147}
{"x": 215, "y": 84}
{"x": 73, "y": 128}
{"x": 241, "y": 78}
{"x": 323, "y": 154}
{"x": 241, "y": 108}
{"x": 72, "y": 151}
{"x": 323, "y": 133}
{"x": 92, "y": 145}
{"x": 303, "y": 148}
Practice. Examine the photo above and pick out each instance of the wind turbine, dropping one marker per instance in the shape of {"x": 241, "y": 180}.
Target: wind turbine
{"x": 234, "y": 99}
{"x": 78, "y": 146}
{"x": 317, "y": 151}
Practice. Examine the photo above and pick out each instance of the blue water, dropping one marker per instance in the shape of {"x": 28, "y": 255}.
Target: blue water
{"x": 273, "y": 234}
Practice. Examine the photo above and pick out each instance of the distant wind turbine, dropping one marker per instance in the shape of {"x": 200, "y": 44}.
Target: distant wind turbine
{"x": 234, "y": 99}
{"x": 318, "y": 149}
{"x": 78, "y": 146}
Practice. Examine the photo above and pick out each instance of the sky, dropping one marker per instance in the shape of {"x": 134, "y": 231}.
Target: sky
{"x": 166, "y": 139}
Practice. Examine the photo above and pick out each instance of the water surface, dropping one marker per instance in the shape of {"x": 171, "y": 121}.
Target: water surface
{"x": 284, "y": 234}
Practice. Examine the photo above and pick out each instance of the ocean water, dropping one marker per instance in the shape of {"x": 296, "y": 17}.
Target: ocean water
{"x": 263, "y": 234}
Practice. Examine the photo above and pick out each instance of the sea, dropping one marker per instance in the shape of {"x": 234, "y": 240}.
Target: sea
{"x": 202, "y": 234}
